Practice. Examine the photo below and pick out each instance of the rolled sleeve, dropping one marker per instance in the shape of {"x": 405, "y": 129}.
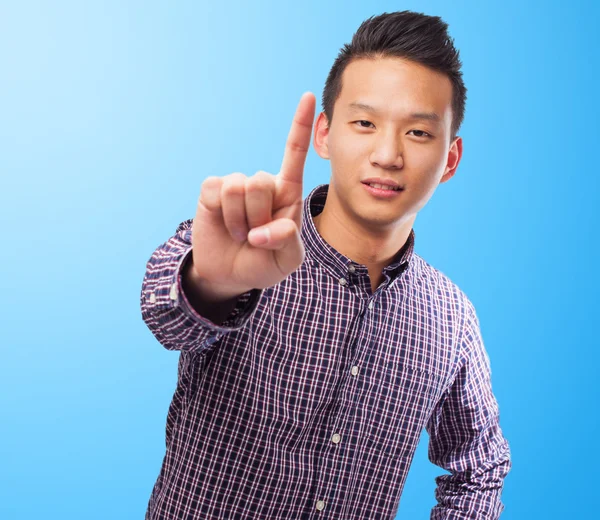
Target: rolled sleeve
{"x": 466, "y": 438}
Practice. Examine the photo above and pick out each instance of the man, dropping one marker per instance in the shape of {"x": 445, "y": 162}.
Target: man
{"x": 315, "y": 344}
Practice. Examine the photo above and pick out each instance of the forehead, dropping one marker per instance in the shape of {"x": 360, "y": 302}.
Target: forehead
{"x": 396, "y": 87}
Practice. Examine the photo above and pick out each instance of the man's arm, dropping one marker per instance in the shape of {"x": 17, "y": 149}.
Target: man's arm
{"x": 245, "y": 237}
{"x": 466, "y": 439}
{"x": 172, "y": 306}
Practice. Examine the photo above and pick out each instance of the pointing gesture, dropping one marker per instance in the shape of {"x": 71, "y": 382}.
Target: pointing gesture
{"x": 246, "y": 232}
{"x": 296, "y": 147}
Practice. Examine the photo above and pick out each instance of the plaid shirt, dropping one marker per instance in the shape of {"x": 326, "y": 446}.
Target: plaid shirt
{"x": 309, "y": 400}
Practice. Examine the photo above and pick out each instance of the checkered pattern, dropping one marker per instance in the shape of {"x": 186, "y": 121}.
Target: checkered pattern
{"x": 309, "y": 400}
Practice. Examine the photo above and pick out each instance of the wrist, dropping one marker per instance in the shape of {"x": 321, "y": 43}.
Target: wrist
{"x": 208, "y": 291}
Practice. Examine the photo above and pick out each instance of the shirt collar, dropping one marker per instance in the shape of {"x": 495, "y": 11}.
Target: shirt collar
{"x": 333, "y": 260}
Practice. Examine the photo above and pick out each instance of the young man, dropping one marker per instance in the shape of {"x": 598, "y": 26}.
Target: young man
{"x": 315, "y": 344}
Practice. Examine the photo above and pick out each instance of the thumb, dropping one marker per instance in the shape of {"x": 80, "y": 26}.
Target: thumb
{"x": 283, "y": 237}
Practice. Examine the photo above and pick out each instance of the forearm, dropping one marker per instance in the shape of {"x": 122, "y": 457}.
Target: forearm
{"x": 169, "y": 314}
{"x": 473, "y": 494}
{"x": 466, "y": 438}
{"x": 209, "y": 304}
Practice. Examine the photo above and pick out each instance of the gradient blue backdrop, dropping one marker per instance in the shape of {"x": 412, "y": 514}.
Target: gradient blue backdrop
{"x": 112, "y": 114}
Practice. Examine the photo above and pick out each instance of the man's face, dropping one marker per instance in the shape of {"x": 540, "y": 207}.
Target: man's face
{"x": 391, "y": 141}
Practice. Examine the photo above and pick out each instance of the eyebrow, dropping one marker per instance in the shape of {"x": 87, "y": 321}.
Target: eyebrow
{"x": 429, "y": 116}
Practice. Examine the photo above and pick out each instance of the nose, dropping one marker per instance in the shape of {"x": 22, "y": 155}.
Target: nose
{"x": 387, "y": 152}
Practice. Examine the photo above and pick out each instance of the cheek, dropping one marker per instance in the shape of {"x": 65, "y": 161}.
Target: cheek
{"x": 345, "y": 150}
{"x": 346, "y": 160}
{"x": 346, "y": 142}
{"x": 427, "y": 162}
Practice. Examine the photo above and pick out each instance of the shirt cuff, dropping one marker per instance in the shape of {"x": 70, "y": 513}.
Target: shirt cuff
{"x": 245, "y": 306}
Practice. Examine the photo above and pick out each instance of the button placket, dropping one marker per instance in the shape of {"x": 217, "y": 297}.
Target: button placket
{"x": 336, "y": 437}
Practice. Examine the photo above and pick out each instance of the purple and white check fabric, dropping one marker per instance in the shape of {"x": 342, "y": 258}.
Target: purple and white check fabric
{"x": 309, "y": 400}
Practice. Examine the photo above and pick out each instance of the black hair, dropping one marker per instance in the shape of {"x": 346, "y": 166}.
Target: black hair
{"x": 413, "y": 36}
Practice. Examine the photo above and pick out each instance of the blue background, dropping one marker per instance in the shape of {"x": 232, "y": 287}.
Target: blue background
{"x": 112, "y": 114}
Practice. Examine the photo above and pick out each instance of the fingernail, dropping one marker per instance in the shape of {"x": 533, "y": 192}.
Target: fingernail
{"x": 259, "y": 236}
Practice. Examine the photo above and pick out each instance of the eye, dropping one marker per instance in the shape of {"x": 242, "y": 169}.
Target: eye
{"x": 364, "y": 121}
{"x": 421, "y": 133}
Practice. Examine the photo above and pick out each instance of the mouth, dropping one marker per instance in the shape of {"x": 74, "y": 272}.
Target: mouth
{"x": 382, "y": 191}
{"x": 386, "y": 187}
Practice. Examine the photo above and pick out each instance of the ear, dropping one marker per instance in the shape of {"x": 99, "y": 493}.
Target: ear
{"x": 321, "y": 134}
{"x": 454, "y": 156}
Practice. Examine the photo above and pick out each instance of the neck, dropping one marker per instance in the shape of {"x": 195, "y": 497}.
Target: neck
{"x": 374, "y": 248}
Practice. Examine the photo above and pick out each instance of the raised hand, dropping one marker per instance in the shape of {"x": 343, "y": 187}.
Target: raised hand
{"x": 246, "y": 232}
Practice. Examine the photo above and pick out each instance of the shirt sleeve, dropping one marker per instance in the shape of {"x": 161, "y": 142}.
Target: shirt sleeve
{"x": 165, "y": 308}
{"x": 466, "y": 438}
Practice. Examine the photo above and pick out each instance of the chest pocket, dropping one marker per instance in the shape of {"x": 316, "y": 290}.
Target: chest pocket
{"x": 403, "y": 399}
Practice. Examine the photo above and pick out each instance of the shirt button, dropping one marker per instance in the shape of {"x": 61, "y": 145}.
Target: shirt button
{"x": 320, "y": 505}
{"x": 152, "y": 298}
{"x": 342, "y": 281}
{"x": 173, "y": 292}
{"x": 371, "y": 305}
{"x": 336, "y": 438}
{"x": 351, "y": 269}
{"x": 354, "y": 370}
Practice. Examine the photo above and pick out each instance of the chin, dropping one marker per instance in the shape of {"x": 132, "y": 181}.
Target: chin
{"x": 380, "y": 219}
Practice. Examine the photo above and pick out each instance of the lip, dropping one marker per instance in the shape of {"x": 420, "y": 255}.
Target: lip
{"x": 383, "y": 194}
{"x": 385, "y": 182}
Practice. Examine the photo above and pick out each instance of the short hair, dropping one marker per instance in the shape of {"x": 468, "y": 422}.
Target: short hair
{"x": 413, "y": 36}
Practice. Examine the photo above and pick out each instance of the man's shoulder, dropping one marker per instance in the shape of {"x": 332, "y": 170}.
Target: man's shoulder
{"x": 436, "y": 281}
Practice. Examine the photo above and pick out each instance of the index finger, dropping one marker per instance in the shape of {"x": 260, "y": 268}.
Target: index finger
{"x": 298, "y": 141}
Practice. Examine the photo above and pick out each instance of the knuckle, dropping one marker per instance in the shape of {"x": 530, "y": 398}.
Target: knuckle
{"x": 260, "y": 181}
{"x": 296, "y": 147}
{"x": 211, "y": 182}
{"x": 299, "y": 122}
{"x": 210, "y": 190}
{"x": 234, "y": 184}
